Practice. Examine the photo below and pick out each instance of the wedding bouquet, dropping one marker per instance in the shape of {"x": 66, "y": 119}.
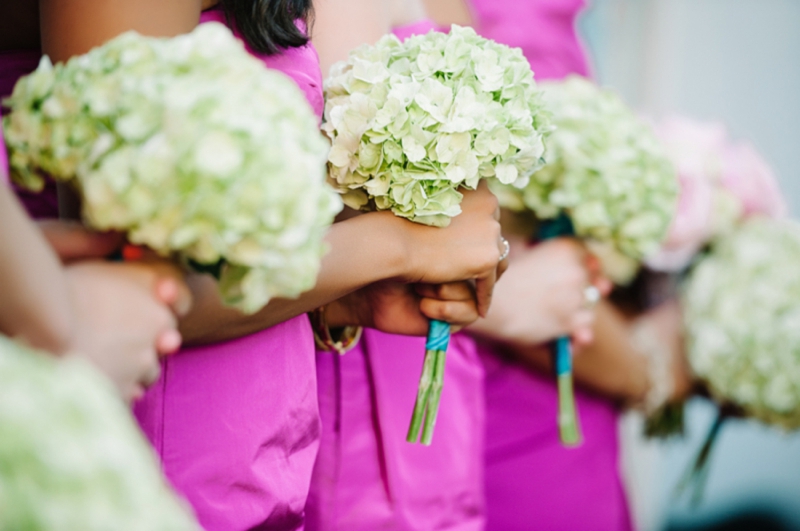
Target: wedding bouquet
{"x": 412, "y": 122}
{"x": 71, "y": 456}
{"x": 742, "y": 317}
{"x": 741, "y": 309}
{"x": 192, "y": 148}
{"x": 722, "y": 183}
{"x": 607, "y": 181}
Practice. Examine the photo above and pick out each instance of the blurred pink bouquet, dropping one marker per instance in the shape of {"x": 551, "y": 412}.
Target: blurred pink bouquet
{"x": 722, "y": 182}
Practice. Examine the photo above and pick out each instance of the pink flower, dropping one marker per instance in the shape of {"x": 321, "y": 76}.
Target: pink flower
{"x": 749, "y": 178}
{"x": 721, "y": 183}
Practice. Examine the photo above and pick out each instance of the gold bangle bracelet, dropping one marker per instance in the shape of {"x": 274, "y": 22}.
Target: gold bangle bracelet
{"x": 348, "y": 337}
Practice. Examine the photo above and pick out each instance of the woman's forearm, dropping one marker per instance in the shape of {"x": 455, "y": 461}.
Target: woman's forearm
{"x": 33, "y": 289}
{"x": 363, "y": 250}
{"x": 73, "y": 27}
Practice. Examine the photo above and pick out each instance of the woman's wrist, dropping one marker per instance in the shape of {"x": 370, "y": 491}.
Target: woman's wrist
{"x": 341, "y": 313}
{"x": 383, "y": 245}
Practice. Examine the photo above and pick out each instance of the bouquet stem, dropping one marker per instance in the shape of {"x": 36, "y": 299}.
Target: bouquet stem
{"x": 434, "y": 398}
{"x": 696, "y": 477}
{"x": 568, "y": 425}
{"x": 429, "y": 392}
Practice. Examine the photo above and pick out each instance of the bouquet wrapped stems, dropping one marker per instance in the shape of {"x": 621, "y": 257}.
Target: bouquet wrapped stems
{"x": 429, "y": 392}
{"x": 568, "y": 425}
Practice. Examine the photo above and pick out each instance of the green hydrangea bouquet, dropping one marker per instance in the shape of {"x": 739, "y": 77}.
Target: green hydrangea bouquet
{"x": 413, "y": 122}
{"x": 741, "y": 306}
{"x": 71, "y": 456}
{"x": 742, "y": 316}
{"x": 607, "y": 181}
{"x": 191, "y": 147}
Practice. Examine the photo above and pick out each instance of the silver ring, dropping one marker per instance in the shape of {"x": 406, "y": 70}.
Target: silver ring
{"x": 506, "y": 249}
{"x": 591, "y": 295}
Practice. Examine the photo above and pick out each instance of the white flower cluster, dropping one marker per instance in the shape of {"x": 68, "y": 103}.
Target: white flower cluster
{"x": 742, "y": 314}
{"x": 71, "y": 456}
{"x": 190, "y": 146}
{"x": 411, "y": 122}
{"x": 605, "y": 169}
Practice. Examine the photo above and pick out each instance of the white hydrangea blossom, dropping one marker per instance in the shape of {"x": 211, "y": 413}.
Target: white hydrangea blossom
{"x": 605, "y": 169}
{"x": 71, "y": 456}
{"x": 190, "y": 146}
{"x": 411, "y": 122}
{"x": 742, "y": 314}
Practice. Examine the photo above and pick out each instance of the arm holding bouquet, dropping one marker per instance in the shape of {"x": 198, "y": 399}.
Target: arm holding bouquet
{"x": 366, "y": 249}
{"x": 73, "y": 309}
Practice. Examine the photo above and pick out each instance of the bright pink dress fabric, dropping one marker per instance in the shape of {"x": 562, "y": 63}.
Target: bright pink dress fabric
{"x": 13, "y": 65}
{"x": 367, "y": 477}
{"x": 532, "y": 481}
{"x": 237, "y": 423}
{"x": 544, "y": 30}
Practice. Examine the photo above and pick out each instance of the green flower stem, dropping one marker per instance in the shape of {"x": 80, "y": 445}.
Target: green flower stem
{"x": 696, "y": 477}
{"x": 434, "y": 397}
{"x": 568, "y": 424}
{"x": 430, "y": 383}
{"x": 569, "y": 428}
{"x": 425, "y": 382}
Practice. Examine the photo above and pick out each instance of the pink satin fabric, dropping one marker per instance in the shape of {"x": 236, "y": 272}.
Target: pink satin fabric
{"x": 543, "y": 29}
{"x": 367, "y": 477}
{"x": 13, "y": 65}
{"x": 237, "y": 423}
{"x": 532, "y": 481}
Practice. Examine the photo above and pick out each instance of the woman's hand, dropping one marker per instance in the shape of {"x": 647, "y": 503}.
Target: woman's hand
{"x": 543, "y": 294}
{"x": 665, "y": 323}
{"x": 125, "y": 317}
{"x": 468, "y": 249}
{"x": 398, "y": 308}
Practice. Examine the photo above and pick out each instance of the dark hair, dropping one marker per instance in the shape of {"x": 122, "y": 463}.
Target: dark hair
{"x": 269, "y": 25}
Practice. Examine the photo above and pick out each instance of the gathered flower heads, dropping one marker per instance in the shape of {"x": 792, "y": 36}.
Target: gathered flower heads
{"x": 605, "y": 169}
{"x": 410, "y": 122}
{"x": 190, "y": 146}
{"x": 722, "y": 182}
{"x": 742, "y": 316}
{"x": 71, "y": 456}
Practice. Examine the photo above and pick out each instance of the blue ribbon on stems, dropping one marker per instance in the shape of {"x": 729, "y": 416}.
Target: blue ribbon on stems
{"x": 568, "y": 424}
{"x": 429, "y": 392}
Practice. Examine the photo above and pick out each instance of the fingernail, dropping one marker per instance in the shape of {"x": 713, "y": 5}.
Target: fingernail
{"x": 169, "y": 342}
{"x": 167, "y": 291}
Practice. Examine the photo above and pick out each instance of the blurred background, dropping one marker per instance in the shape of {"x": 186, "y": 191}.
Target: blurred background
{"x": 738, "y": 62}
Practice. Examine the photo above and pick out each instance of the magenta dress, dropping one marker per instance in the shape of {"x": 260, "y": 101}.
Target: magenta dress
{"x": 237, "y": 423}
{"x": 13, "y": 65}
{"x": 367, "y": 477}
{"x": 532, "y": 481}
